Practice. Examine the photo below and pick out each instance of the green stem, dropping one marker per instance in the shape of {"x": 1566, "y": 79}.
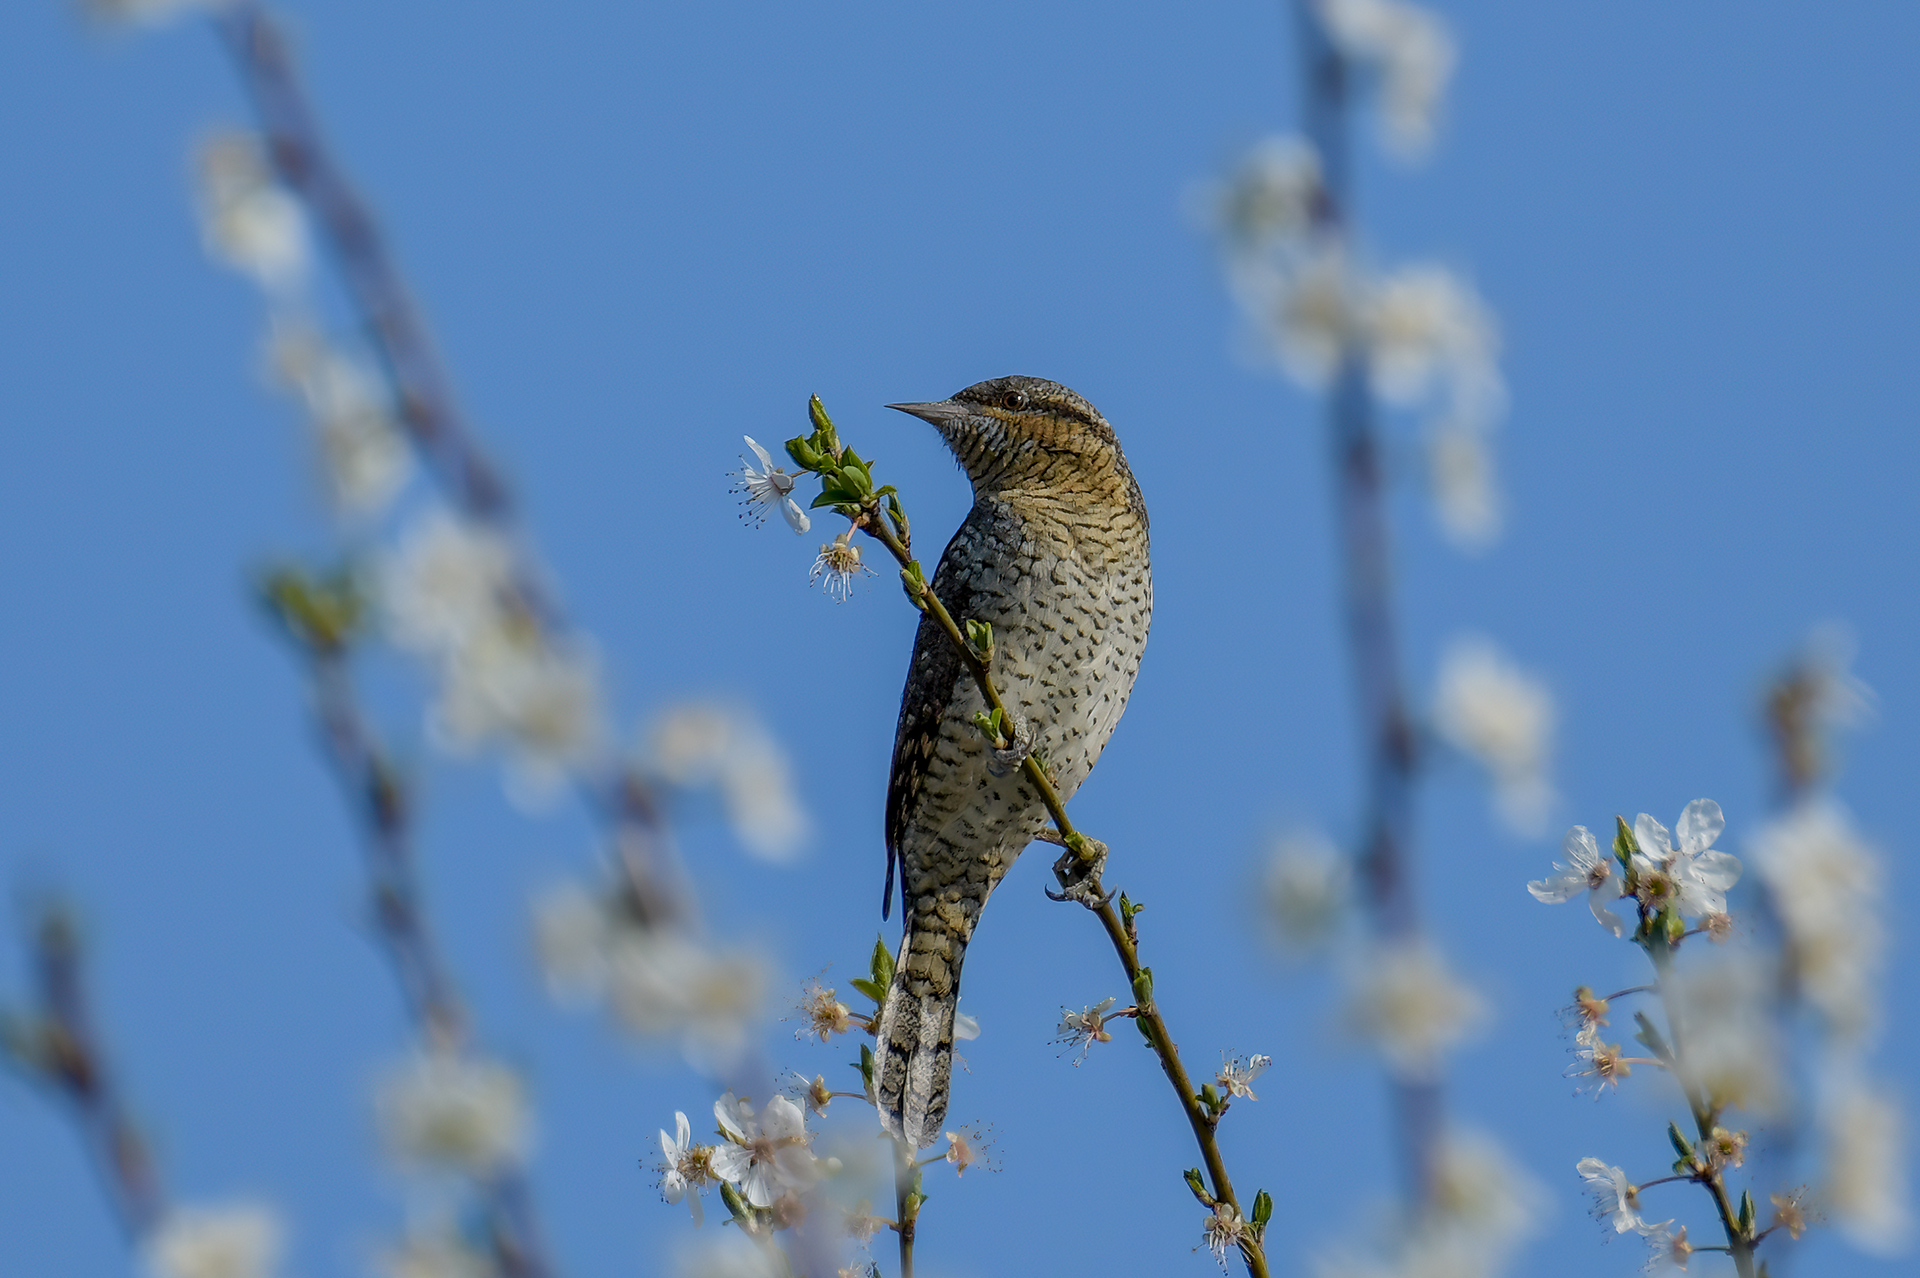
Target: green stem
{"x": 1739, "y": 1246}
{"x": 1159, "y": 1038}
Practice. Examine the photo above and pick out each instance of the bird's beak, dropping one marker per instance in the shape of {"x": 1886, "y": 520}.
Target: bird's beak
{"x": 939, "y": 414}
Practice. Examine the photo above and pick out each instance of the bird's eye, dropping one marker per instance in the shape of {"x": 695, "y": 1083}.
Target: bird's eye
{"x": 1013, "y": 400}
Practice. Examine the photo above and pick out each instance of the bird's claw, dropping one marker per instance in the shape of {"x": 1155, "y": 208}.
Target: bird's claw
{"x": 1005, "y": 762}
{"x": 1080, "y": 878}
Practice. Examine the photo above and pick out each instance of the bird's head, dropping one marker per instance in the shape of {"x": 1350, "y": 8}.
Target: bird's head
{"x": 1014, "y": 433}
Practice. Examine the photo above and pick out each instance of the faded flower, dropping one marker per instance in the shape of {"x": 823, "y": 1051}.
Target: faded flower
{"x": 1466, "y": 494}
{"x": 1600, "y": 1064}
{"x": 1413, "y": 1007}
{"x": 1588, "y": 870}
{"x": 821, "y": 1015}
{"x": 454, "y": 1112}
{"x": 1081, "y": 1030}
{"x": 1224, "y": 1231}
{"x": 1492, "y": 710}
{"x": 1667, "y": 1247}
{"x": 836, "y": 567}
{"x": 236, "y": 1240}
{"x": 1867, "y": 1192}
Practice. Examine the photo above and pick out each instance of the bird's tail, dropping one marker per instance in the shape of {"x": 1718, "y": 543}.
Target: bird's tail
{"x": 914, "y": 1044}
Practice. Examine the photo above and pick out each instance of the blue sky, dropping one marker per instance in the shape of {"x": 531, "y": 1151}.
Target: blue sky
{"x": 642, "y": 231}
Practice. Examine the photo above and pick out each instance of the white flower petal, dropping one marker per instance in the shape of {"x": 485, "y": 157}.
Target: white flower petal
{"x": 1700, "y": 825}
{"x": 1580, "y": 847}
{"x": 766, "y": 459}
{"x": 796, "y": 517}
{"x": 1560, "y": 889}
{"x": 1608, "y": 919}
{"x": 1652, "y": 837}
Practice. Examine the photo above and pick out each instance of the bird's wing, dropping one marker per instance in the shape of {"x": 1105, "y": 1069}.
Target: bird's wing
{"x": 931, "y": 680}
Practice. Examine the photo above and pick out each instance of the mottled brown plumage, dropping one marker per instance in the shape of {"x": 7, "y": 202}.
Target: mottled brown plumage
{"x": 1054, "y": 556}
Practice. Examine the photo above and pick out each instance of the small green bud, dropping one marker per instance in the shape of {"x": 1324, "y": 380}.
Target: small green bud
{"x": 817, "y": 414}
{"x": 803, "y": 454}
{"x": 881, "y": 963}
{"x": 915, "y": 584}
{"x": 1262, "y": 1208}
{"x": 866, "y": 1066}
{"x": 1198, "y": 1186}
{"x": 1146, "y": 1030}
{"x": 1681, "y": 1145}
{"x": 1623, "y": 844}
{"x": 735, "y": 1203}
{"x": 1746, "y": 1213}
{"x": 1209, "y": 1098}
{"x": 1129, "y": 908}
{"x": 980, "y": 638}
{"x": 1143, "y": 987}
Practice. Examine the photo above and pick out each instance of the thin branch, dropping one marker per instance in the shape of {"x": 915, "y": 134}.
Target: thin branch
{"x": 1084, "y": 856}
{"x": 1387, "y": 731}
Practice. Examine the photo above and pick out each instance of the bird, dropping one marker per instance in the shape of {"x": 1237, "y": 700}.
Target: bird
{"x": 1054, "y": 556}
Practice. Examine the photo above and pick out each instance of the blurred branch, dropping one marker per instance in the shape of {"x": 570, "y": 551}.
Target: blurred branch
{"x": 1387, "y": 730}
{"x": 57, "y": 1046}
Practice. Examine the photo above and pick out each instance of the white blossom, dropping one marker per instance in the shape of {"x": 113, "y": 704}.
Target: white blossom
{"x": 1867, "y": 1191}
{"x": 1223, "y": 1232}
{"x": 728, "y": 1256}
{"x": 450, "y": 579}
{"x": 1700, "y": 875}
{"x": 572, "y": 935}
{"x": 1466, "y": 496}
{"x": 1412, "y": 1007}
{"x": 769, "y": 487}
{"x": 1667, "y": 1247}
{"x": 1491, "y": 709}
{"x": 1428, "y": 330}
{"x": 667, "y": 986}
{"x": 1481, "y": 1206}
{"x": 1409, "y": 49}
{"x": 1272, "y": 198}
{"x": 514, "y": 687}
{"x": 1305, "y": 890}
{"x": 1614, "y": 1202}
{"x": 1314, "y": 313}
{"x": 766, "y": 1155}
{"x": 1082, "y": 1029}
{"x": 965, "y": 1028}
{"x": 1236, "y": 1075}
{"x": 1586, "y": 869}
{"x": 436, "y": 1253}
{"x": 701, "y": 744}
{"x": 235, "y": 1240}
{"x": 454, "y": 1112}
{"x": 249, "y": 220}
{"x": 687, "y": 1169}
{"x": 364, "y": 457}
{"x": 1733, "y": 1050}
{"x": 1825, "y": 884}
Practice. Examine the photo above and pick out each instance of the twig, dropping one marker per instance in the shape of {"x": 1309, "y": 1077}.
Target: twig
{"x": 1365, "y": 537}
{"x": 1083, "y": 855}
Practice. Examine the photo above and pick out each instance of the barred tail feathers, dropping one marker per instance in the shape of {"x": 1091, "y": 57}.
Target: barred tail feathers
{"x": 914, "y": 1044}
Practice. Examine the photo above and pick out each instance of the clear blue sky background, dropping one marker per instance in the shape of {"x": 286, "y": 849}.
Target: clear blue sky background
{"x": 642, "y": 230}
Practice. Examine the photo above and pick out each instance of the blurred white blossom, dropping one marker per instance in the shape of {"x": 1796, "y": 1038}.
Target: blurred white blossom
{"x": 1080, "y": 1030}
{"x": 1483, "y": 1206}
{"x": 453, "y": 1112}
{"x": 449, "y": 580}
{"x": 1504, "y": 717}
{"x": 728, "y": 1256}
{"x": 1731, "y": 1044}
{"x": 1305, "y": 890}
{"x": 1466, "y": 493}
{"x": 1412, "y": 1006}
{"x": 438, "y": 1252}
{"x": 702, "y": 744}
{"x": 1614, "y": 1202}
{"x": 1825, "y": 884}
{"x": 235, "y": 1240}
{"x": 765, "y": 1154}
{"x": 1409, "y": 50}
{"x": 1313, "y": 312}
{"x": 1427, "y": 330}
{"x": 1588, "y": 870}
{"x": 1867, "y": 1193}
{"x": 965, "y": 1028}
{"x": 667, "y": 986}
{"x": 1272, "y": 198}
{"x": 249, "y": 220}
{"x": 364, "y": 457}
{"x": 516, "y": 688}
{"x": 572, "y": 935}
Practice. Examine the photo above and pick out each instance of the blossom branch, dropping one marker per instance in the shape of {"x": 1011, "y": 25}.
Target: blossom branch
{"x": 879, "y": 513}
{"x": 1365, "y": 538}
{"x": 59, "y": 1047}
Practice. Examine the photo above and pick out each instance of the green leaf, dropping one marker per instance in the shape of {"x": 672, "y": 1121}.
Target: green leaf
{"x": 1746, "y": 1213}
{"x": 881, "y": 963}
{"x": 1649, "y": 1036}
{"x": 817, "y": 414}
{"x": 866, "y": 1065}
{"x": 803, "y": 453}
{"x": 1681, "y": 1145}
{"x": 872, "y": 989}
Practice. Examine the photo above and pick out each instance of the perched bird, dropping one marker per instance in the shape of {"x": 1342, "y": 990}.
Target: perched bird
{"x": 1054, "y": 556}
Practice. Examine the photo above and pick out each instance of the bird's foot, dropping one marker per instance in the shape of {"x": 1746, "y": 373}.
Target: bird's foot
{"x": 1003, "y": 762}
{"x": 1079, "y": 869}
